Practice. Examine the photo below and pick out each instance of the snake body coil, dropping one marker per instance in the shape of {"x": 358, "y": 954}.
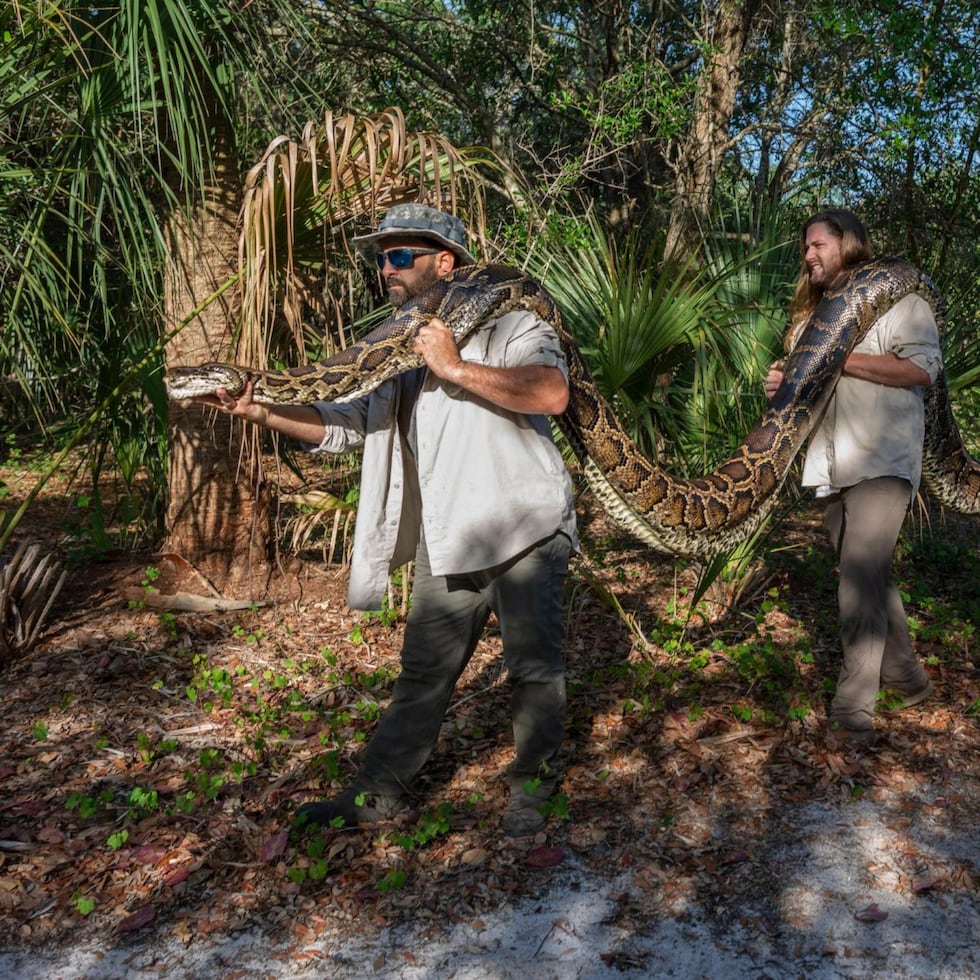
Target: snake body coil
{"x": 700, "y": 517}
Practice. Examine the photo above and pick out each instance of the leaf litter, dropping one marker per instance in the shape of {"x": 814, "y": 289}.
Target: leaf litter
{"x": 151, "y": 763}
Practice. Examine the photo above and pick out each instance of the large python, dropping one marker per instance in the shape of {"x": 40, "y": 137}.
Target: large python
{"x": 700, "y": 517}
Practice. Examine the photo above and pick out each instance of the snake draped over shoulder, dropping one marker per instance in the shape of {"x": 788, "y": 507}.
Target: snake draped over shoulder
{"x": 700, "y": 517}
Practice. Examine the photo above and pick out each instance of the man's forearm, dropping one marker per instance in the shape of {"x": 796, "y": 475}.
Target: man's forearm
{"x": 886, "y": 369}
{"x": 300, "y": 422}
{"x": 530, "y": 388}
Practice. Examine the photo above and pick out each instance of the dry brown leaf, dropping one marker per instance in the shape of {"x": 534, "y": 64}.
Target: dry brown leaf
{"x": 474, "y": 856}
{"x": 736, "y": 857}
{"x": 871, "y": 913}
{"x": 138, "y": 919}
{"x": 274, "y": 846}
{"x": 544, "y": 857}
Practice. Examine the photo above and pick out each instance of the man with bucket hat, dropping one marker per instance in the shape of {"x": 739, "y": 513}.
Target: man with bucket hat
{"x": 459, "y": 473}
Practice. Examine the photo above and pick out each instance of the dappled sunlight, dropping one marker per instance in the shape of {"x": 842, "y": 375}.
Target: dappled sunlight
{"x": 152, "y": 761}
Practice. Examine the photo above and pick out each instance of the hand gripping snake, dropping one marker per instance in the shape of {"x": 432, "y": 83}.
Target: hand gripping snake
{"x": 700, "y": 517}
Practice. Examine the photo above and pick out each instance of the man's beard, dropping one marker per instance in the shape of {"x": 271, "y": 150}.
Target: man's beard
{"x": 399, "y": 294}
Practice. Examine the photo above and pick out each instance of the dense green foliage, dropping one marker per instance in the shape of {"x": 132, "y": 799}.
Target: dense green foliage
{"x": 733, "y": 119}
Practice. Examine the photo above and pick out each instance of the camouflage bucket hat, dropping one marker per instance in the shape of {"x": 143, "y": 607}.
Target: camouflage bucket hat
{"x": 421, "y": 220}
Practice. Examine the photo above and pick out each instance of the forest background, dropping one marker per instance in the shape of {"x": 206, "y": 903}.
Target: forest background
{"x": 179, "y": 182}
{"x": 651, "y": 162}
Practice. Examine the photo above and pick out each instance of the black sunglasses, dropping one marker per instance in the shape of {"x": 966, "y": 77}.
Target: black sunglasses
{"x": 402, "y": 258}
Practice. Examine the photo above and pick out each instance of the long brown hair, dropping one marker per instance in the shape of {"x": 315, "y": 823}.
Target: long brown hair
{"x": 855, "y": 248}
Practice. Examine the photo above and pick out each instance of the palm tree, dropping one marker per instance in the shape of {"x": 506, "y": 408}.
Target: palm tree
{"x": 679, "y": 353}
{"x": 120, "y": 165}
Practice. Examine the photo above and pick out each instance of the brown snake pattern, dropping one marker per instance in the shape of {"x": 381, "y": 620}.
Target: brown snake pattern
{"x": 700, "y": 517}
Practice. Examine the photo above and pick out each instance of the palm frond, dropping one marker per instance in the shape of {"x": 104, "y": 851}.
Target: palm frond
{"x": 304, "y": 200}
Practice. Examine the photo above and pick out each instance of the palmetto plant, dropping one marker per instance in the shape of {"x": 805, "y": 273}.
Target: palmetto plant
{"x": 119, "y": 129}
{"x": 110, "y": 118}
{"x": 680, "y": 353}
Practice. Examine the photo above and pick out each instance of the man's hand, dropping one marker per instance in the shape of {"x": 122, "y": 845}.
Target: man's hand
{"x": 528, "y": 388}
{"x": 240, "y": 405}
{"x": 774, "y": 378}
{"x": 437, "y": 345}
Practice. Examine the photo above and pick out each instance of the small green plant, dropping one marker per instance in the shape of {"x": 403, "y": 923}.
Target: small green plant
{"x": 386, "y": 616}
{"x": 169, "y": 623}
{"x": 83, "y": 905}
{"x": 88, "y": 806}
{"x": 40, "y": 731}
{"x": 207, "y": 784}
{"x": 742, "y": 712}
{"x": 888, "y": 700}
{"x": 117, "y": 839}
{"x": 240, "y": 632}
{"x": 392, "y": 881}
{"x": 144, "y": 747}
{"x": 315, "y": 865}
{"x": 150, "y": 575}
{"x": 799, "y": 710}
{"x": 429, "y": 827}
{"x": 185, "y": 803}
{"x": 556, "y": 806}
{"x": 142, "y": 802}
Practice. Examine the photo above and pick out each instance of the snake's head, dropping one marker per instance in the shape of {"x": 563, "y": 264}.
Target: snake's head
{"x": 204, "y": 379}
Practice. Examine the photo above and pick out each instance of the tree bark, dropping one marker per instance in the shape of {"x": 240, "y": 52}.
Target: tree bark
{"x": 218, "y": 510}
{"x": 701, "y": 155}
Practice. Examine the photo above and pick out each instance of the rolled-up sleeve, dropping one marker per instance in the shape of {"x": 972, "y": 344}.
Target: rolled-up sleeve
{"x": 345, "y": 425}
{"x": 913, "y": 335}
{"x": 520, "y": 338}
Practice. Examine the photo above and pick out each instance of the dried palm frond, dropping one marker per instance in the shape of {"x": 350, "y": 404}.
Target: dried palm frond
{"x": 322, "y": 518}
{"x": 305, "y": 199}
{"x": 29, "y": 584}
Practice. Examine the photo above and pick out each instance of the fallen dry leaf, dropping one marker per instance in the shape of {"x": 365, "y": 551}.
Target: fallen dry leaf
{"x": 274, "y": 846}
{"x": 138, "y": 919}
{"x": 148, "y": 854}
{"x": 871, "y": 914}
{"x": 544, "y": 857}
{"x": 736, "y": 857}
{"x": 474, "y": 856}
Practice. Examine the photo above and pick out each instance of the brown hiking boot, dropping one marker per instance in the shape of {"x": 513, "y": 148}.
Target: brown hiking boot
{"x": 842, "y": 737}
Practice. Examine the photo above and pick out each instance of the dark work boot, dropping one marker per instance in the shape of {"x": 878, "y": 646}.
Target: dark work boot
{"x": 352, "y": 807}
{"x": 526, "y": 813}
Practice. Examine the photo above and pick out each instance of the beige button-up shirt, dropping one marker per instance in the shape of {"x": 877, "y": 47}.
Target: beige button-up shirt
{"x": 871, "y": 430}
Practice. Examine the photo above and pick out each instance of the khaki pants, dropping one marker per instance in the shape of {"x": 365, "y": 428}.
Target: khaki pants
{"x": 864, "y": 522}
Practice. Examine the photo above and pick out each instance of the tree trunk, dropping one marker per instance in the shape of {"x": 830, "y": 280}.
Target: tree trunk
{"x": 218, "y": 513}
{"x": 700, "y": 157}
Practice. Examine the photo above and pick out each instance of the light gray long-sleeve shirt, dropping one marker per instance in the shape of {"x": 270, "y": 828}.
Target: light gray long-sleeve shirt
{"x": 480, "y": 482}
